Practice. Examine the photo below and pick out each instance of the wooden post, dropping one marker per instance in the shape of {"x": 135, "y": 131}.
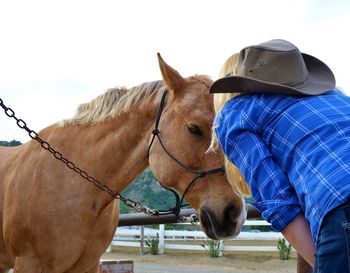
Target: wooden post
{"x": 139, "y": 219}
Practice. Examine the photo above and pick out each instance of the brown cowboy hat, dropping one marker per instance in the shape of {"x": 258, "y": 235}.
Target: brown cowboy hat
{"x": 277, "y": 67}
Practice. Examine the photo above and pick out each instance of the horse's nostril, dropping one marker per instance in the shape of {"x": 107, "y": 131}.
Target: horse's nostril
{"x": 219, "y": 226}
{"x": 206, "y": 221}
{"x": 231, "y": 214}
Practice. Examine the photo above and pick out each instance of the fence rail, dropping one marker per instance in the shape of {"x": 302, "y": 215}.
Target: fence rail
{"x": 192, "y": 240}
{"x": 140, "y": 219}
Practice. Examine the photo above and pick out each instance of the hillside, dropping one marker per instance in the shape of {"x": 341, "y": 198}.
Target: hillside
{"x": 146, "y": 190}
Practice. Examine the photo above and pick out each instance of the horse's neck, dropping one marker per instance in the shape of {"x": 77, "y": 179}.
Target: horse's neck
{"x": 114, "y": 151}
{"x": 122, "y": 148}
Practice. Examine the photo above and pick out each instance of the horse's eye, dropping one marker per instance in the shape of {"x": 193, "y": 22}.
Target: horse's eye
{"x": 194, "y": 130}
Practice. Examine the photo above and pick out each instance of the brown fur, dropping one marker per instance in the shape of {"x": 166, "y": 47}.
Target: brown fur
{"x": 55, "y": 222}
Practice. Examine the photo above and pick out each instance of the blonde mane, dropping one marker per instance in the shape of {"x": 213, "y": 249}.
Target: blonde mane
{"x": 112, "y": 103}
{"x": 232, "y": 172}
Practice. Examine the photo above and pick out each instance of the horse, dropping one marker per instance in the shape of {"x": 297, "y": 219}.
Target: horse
{"x": 54, "y": 221}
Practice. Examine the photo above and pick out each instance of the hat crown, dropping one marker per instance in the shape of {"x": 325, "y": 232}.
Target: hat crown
{"x": 277, "y": 61}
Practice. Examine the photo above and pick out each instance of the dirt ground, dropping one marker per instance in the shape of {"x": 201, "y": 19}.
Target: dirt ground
{"x": 183, "y": 262}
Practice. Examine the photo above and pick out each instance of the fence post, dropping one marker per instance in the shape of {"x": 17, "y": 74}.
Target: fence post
{"x": 109, "y": 249}
{"x": 142, "y": 240}
{"x": 221, "y": 252}
{"x": 161, "y": 239}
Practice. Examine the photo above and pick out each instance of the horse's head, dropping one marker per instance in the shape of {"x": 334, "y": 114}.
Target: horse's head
{"x": 180, "y": 158}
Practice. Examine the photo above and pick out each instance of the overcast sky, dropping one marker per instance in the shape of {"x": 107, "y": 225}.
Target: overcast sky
{"x": 55, "y": 55}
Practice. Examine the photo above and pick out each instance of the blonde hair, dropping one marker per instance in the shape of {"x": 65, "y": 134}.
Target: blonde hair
{"x": 233, "y": 174}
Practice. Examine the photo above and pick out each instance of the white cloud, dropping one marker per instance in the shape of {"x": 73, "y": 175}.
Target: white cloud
{"x": 69, "y": 51}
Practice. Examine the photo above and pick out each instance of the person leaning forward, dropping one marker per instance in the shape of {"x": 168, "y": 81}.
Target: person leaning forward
{"x": 286, "y": 127}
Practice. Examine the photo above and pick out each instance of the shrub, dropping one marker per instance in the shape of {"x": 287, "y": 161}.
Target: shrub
{"x": 153, "y": 244}
{"x": 284, "y": 249}
{"x": 214, "y": 247}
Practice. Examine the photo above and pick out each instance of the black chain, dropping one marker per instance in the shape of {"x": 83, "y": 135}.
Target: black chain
{"x": 71, "y": 165}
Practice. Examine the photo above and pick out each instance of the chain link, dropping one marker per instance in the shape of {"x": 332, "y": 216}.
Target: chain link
{"x": 71, "y": 165}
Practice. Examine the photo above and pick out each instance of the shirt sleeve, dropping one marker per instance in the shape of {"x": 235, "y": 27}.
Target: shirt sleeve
{"x": 274, "y": 195}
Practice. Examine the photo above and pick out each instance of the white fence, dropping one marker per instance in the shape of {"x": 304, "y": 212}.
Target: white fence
{"x": 254, "y": 240}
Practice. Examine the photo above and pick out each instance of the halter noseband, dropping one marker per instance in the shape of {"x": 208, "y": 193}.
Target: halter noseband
{"x": 199, "y": 174}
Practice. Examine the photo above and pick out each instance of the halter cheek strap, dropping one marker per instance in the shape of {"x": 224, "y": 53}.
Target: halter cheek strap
{"x": 199, "y": 174}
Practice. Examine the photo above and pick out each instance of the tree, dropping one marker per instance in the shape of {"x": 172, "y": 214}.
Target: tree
{"x": 146, "y": 190}
{"x": 11, "y": 143}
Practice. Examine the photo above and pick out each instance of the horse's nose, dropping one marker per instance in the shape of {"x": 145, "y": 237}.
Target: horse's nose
{"x": 219, "y": 226}
{"x": 231, "y": 214}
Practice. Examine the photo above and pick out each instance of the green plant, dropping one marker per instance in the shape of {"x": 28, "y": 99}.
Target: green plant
{"x": 153, "y": 244}
{"x": 214, "y": 247}
{"x": 284, "y": 249}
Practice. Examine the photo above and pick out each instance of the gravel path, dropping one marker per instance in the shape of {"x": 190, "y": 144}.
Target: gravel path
{"x": 187, "y": 262}
{"x": 156, "y": 268}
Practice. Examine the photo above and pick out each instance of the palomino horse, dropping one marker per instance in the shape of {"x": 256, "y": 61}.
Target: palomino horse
{"x": 55, "y": 222}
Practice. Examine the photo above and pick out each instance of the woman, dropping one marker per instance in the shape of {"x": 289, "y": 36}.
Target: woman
{"x": 286, "y": 127}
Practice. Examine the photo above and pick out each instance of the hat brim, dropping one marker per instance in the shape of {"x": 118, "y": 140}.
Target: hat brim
{"x": 320, "y": 80}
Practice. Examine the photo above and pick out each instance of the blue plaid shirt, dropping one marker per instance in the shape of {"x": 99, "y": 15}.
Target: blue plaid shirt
{"x": 294, "y": 153}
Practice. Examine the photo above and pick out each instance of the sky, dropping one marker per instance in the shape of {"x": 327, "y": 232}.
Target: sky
{"x": 55, "y": 55}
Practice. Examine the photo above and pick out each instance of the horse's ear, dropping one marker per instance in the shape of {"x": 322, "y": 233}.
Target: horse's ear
{"x": 172, "y": 79}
